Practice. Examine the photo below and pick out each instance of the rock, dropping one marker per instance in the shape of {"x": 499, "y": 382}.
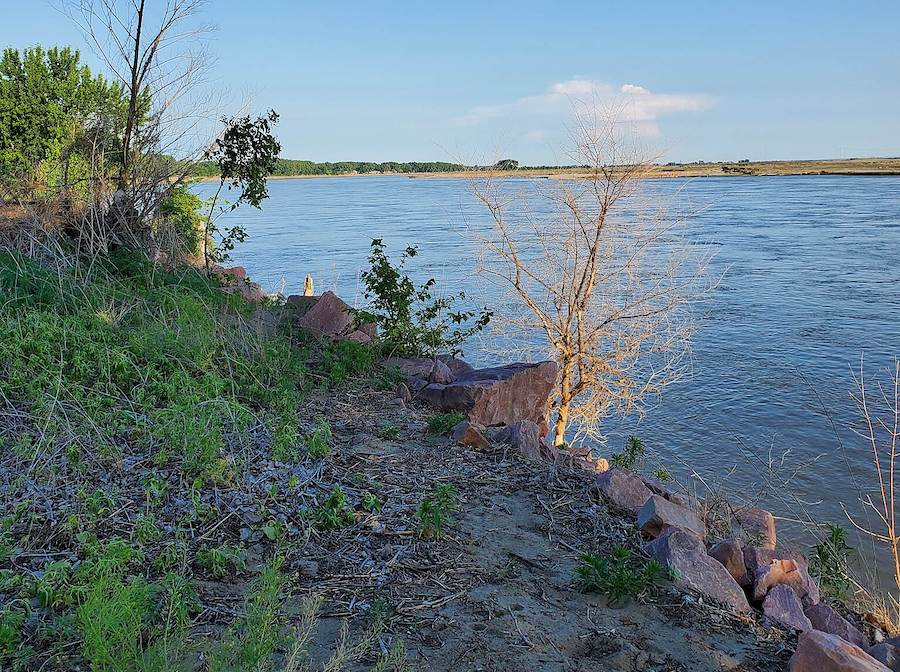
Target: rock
{"x": 467, "y": 434}
{"x": 659, "y": 488}
{"x": 358, "y": 336}
{"x": 684, "y": 553}
{"x": 659, "y": 514}
{"x": 457, "y": 366}
{"x": 789, "y": 573}
{"x": 826, "y": 619}
{"x": 236, "y": 272}
{"x": 623, "y": 489}
{"x": 525, "y": 437}
{"x": 730, "y": 554}
{"x": 783, "y": 606}
{"x": 820, "y": 652}
{"x": 440, "y": 373}
{"x": 886, "y": 654}
{"x": 403, "y": 392}
{"x": 500, "y": 395}
{"x": 756, "y": 526}
{"x": 329, "y": 316}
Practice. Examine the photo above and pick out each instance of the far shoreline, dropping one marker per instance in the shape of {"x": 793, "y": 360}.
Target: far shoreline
{"x": 872, "y": 167}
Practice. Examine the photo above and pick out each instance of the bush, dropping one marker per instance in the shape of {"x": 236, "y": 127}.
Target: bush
{"x": 411, "y": 321}
{"x": 829, "y": 562}
{"x": 631, "y": 455}
{"x": 344, "y": 359}
{"x": 182, "y": 224}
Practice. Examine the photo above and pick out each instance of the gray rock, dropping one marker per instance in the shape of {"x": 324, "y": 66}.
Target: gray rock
{"x": 826, "y": 619}
{"x": 658, "y": 514}
{"x": 685, "y": 554}
{"x": 756, "y": 526}
{"x": 783, "y": 606}
{"x": 886, "y": 654}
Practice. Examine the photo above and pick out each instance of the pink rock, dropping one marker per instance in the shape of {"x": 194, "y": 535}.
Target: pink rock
{"x": 457, "y": 366}
{"x": 820, "y": 652}
{"x": 756, "y": 526}
{"x": 623, "y": 489}
{"x": 659, "y": 488}
{"x": 467, "y": 434}
{"x": 329, "y": 316}
{"x": 499, "y": 396}
{"x": 783, "y": 606}
{"x": 788, "y": 573}
{"x": 659, "y": 514}
{"x": 729, "y": 553}
{"x": 684, "y": 553}
{"x": 440, "y": 373}
{"x": 826, "y": 619}
{"x": 236, "y": 272}
{"x": 403, "y": 392}
{"x": 358, "y": 336}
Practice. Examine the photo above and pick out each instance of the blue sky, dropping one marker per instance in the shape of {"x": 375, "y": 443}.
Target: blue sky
{"x": 475, "y": 80}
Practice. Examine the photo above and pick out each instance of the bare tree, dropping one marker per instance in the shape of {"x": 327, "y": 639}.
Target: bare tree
{"x": 156, "y": 52}
{"x": 601, "y": 271}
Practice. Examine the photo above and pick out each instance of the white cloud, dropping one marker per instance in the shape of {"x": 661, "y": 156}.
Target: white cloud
{"x": 635, "y": 104}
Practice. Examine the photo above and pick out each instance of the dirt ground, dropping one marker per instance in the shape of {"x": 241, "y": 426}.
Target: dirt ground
{"x": 497, "y": 591}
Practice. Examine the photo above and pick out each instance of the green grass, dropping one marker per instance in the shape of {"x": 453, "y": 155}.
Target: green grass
{"x": 435, "y": 509}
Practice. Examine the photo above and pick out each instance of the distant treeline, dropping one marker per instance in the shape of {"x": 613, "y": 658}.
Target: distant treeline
{"x": 297, "y": 167}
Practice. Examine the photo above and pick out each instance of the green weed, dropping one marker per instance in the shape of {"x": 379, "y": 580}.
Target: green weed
{"x": 434, "y": 510}
{"x": 442, "y": 423}
{"x": 318, "y": 438}
{"x": 631, "y": 456}
{"x": 620, "y": 576}
{"x": 222, "y": 560}
{"x": 829, "y": 562}
{"x": 336, "y": 511}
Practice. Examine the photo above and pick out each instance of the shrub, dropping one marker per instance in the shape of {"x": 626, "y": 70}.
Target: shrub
{"x": 411, "y": 320}
{"x": 442, "y": 423}
{"x": 223, "y": 559}
{"x": 619, "y": 576}
{"x": 829, "y": 562}
{"x": 434, "y": 510}
{"x": 180, "y": 212}
{"x": 345, "y": 359}
{"x": 318, "y": 438}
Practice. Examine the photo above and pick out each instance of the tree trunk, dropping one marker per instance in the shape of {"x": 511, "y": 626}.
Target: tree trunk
{"x": 565, "y": 400}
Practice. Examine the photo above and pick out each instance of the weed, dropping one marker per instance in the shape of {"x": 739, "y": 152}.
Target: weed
{"x": 434, "y": 509}
{"x": 336, "y": 512}
{"x": 620, "y": 576}
{"x": 223, "y": 559}
{"x": 274, "y": 529}
{"x": 829, "y": 562}
{"x": 145, "y": 528}
{"x": 389, "y": 431}
{"x": 631, "y": 456}
{"x": 345, "y": 359}
{"x": 662, "y": 474}
{"x": 317, "y": 439}
{"x": 389, "y": 377}
{"x": 371, "y": 503}
{"x": 442, "y": 423}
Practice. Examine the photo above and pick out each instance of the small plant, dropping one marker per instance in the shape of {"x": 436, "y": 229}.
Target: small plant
{"x": 620, "y": 576}
{"x": 219, "y": 561}
{"x": 390, "y": 377}
{"x": 371, "y": 503}
{"x": 662, "y": 474}
{"x": 145, "y": 528}
{"x": 389, "y": 431}
{"x": 442, "y": 423}
{"x": 631, "y": 455}
{"x": 411, "y": 320}
{"x": 336, "y": 512}
{"x": 829, "y": 562}
{"x": 317, "y": 439}
{"x": 274, "y": 529}
{"x": 434, "y": 510}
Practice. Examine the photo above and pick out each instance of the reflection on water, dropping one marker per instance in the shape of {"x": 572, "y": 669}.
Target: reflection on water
{"x": 811, "y": 281}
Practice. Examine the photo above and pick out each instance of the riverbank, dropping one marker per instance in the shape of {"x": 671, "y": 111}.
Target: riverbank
{"x": 208, "y": 471}
{"x": 869, "y": 166}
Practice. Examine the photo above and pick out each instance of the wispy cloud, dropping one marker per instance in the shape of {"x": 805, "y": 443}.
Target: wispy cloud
{"x": 634, "y": 103}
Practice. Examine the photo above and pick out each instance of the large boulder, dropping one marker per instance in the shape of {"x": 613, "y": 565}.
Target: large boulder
{"x": 623, "y": 490}
{"x": 756, "y": 526}
{"x": 820, "y": 652}
{"x": 729, "y": 553}
{"x": 685, "y": 553}
{"x": 499, "y": 395}
{"x": 525, "y": 437}
{"x": 235, "y": 281}
{"x": 659, "y": 514}
{"x": 328, "y": 316}
{"x": 783, "y": 606}
{"x": 824, "y": 618}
